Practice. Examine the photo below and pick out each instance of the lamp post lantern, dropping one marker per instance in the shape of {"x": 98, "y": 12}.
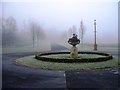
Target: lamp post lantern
{"x": 95, "y": 43}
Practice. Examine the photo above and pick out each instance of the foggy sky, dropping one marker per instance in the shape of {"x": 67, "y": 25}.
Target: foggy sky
{"x": 63, "y": 15}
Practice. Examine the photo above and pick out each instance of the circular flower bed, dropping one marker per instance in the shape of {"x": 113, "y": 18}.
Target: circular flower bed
{"x": 100, "y": 57}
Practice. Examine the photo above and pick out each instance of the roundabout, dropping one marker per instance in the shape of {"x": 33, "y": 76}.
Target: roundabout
{"x": 82, "y": 57}
{"x": 61, "y": 61}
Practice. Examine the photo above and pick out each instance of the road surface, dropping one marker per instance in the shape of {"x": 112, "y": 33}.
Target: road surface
{"x": 22, "y": 77}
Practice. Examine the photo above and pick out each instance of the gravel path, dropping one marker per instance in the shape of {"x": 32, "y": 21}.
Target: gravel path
{"x": 14, "y": 76}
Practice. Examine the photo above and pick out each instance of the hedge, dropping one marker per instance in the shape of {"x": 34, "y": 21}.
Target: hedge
{"x": 71, "y": 60}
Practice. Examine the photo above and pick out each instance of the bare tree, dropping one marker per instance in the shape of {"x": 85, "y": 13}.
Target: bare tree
{"x": 40, "y": 35}
{"x": 9, "y": 28}
{"x": 70, "y": 32}
{"x": 64, "y": 36}
{"x": 74, "y": 29}
{"x": 32, "y": 29}
{"x": 82, "y": 31}
{"x": 0, "y": 31}
{"x": 37, "y": 32}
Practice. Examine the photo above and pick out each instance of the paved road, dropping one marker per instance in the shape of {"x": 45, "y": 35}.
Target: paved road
{"x": 57, "y": 47}
{"x": 92, "y": 79}
{"x": 23, "y": 77}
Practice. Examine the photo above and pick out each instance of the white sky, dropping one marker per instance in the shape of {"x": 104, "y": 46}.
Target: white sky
{"x": 62, "y": 14}
{"x": 60, "y": 0}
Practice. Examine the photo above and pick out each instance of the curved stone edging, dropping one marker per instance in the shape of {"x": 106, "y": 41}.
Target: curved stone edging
{"x": 68, "y": 60}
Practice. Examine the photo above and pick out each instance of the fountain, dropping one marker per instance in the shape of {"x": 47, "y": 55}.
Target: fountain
{"x": 74, "y": 41}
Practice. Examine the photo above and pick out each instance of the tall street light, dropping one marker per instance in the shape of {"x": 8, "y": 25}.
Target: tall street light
{"x": 95, "y": 43}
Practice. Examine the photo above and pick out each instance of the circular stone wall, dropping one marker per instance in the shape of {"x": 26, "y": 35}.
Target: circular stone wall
{"x": 101, "y": 57}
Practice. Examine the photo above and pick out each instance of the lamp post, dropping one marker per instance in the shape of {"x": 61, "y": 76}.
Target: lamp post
{"x": 95, "y": 43}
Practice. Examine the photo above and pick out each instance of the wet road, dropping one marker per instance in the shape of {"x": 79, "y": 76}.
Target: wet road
{"x": 92, "y": 79}
{"x": 23, "y": 77}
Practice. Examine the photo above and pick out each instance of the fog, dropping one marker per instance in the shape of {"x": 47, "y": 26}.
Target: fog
{"x": 32, "y": 23}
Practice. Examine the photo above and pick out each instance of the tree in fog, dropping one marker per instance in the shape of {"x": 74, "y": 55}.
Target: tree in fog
{"x": 40, "y": 35}
{"x": 32, "y": 29}
{"x": 74, "y": 29}
{"x": 70, "y": 32}
{"x": 9, "y": 29}
{"x": 64, "y": 36}
{"x": 4, "y": 33}
{"x": 0, "y": 31}
{"x": 82, "y": 31}
{"x": 36, "y": 32}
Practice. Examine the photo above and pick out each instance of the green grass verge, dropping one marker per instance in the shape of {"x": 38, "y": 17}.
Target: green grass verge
{"x": 30, "y": 61}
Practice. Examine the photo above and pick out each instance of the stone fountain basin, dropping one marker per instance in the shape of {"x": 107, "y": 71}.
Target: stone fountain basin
{"x": 64, "y": 57}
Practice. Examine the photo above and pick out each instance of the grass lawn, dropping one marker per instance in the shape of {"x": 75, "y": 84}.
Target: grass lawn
{"x": 46, "y": 46}
{"x": 62, "y": 56}
{"x": 89, "y": 47}
{"x": 30, "y": 61}
{"x": 41, "y": 47}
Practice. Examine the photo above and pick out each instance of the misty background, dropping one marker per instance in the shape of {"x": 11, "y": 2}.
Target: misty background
{"x": 44, "y": 23}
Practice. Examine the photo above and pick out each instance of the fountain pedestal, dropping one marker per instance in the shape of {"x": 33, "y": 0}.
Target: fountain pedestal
{"x": 74, "y": 41}
{"x": 74, "y": 52}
